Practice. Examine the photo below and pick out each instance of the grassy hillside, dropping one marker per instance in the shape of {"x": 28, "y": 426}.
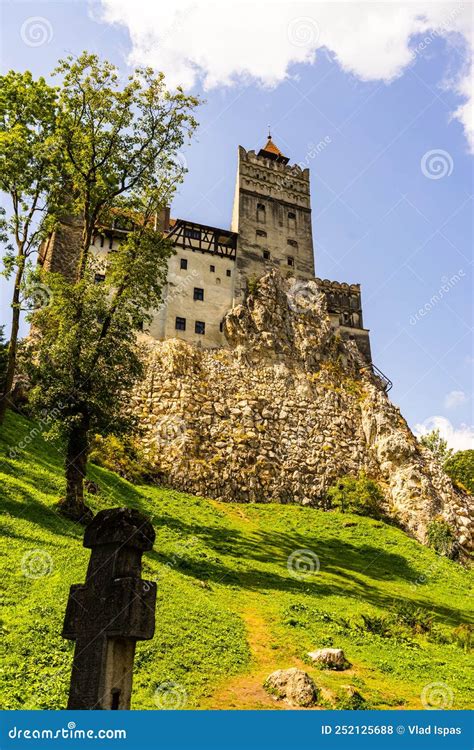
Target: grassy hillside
{"x": 229, "y": 611}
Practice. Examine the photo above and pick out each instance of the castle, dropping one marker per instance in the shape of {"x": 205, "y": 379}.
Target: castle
{"x": 258, "y": 382}
{"x": 213, "y": 268}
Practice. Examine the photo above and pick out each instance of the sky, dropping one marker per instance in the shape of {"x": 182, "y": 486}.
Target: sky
{"x": 373, "y": 98}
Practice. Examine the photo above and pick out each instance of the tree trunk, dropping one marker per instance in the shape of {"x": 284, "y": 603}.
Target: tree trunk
{"x": 73, "y": 506}
{"x": 13, "y": 344}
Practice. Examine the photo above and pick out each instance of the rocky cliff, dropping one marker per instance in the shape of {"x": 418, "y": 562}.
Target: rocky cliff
{"x": 284, "y": 411}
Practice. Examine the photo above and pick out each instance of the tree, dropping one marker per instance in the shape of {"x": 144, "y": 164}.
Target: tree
{"x": 437, "y": 445}
{"x": 3, "y": 358}
{"x": 460, "y": 468}
{"x": 28, "y": 176}
{"x": 119, "y": 147}
{"x": 359, "y": 495}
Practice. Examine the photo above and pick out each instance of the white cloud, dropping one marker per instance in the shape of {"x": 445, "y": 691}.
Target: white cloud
{"x": 454, "y": 398}
{"x": 221, "y": 42}
{"x": 459, "y": 438}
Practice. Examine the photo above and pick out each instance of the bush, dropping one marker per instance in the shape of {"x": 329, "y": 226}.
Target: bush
{"x": 123, "y": 456}
{"x": 377, "y": 625}
{"x": 460, "y": 469}
{"x": 349, "y": 699}
{"x": 418, "y": 619}
{"x": 358, "y": 495}
{"x": 437, "y": 445}
{"x": 463, "y": 636}
{"x": 441, "y": 537}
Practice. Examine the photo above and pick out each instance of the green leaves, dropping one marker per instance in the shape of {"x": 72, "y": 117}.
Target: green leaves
{"x": 437, "y": 445}
{"x": 119, "y": 138}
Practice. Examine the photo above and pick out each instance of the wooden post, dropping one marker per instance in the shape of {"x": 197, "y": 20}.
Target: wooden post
{"x": 111, "y": 611}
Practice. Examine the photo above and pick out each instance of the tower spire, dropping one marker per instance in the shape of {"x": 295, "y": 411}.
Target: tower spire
{"x": 271, "y": 151}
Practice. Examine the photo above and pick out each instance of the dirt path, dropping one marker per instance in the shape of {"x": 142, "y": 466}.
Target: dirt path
{"x": 246, "y": 691}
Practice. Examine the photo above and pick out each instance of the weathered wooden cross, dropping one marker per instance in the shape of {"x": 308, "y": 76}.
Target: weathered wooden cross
{"x": 112, "y": 610}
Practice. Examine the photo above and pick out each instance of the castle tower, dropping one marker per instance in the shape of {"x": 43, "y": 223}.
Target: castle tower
{"x": 272, "y": 216}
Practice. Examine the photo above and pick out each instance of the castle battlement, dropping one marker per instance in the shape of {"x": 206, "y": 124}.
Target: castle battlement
{"x": 212, "y": 267}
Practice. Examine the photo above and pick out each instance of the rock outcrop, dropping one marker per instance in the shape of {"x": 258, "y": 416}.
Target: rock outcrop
{"x": 283, "y": 412}
{"x": 329, "y": 658}
{"x": 293, "y": 686}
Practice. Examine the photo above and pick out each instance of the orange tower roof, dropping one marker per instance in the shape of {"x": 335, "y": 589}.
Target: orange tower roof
{"x": 270, "y": 151}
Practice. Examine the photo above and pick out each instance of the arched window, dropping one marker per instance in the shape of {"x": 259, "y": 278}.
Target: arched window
{"x": 261, "y": 213}
{"x": 291, "y": 220}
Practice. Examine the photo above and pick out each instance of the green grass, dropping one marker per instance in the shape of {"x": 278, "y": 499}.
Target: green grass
{"x": 228, "y": 610}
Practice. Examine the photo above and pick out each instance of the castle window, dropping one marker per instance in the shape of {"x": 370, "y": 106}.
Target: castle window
{"x": 261, "y": 233}
{"x": 183, "y": 263}
{"x": 291, "y": 261}
{"x": 180, "y": 324}
{"x": 293, "y": 243}
{"x": 291, "y": 220}
{"x": 212, "y": 269}
{"x": 99, "y": 278}
{"x": 193, "y": 234}
{"x": 218, "y": 281}
{"x": 266, "y": 255}
{"x": 200, "y": 327}
{"x": 198, "y": 294}
{"x": 261, "y": 213}
{"x": 228, "y": 272}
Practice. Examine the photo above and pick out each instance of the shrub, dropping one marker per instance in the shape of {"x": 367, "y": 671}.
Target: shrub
{"x": 349, "y": 699}
{"x": 460, "y": 469}
{"x": 440, "y": 537}
{"x": 377, "y": 625}
{"x": 463, "y": 636}
{"x": 437, "y": 445}
{"x": 418, "y": 619}
{"x": 123, "y": 456}
{"x": 356, "y": 495}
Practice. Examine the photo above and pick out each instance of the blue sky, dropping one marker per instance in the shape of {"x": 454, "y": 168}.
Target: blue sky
{"x": 387, "y": 213}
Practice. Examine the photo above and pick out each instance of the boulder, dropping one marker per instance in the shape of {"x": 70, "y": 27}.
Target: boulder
{"x": 293, "y": 686}
{"x": 330, "y": 658}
